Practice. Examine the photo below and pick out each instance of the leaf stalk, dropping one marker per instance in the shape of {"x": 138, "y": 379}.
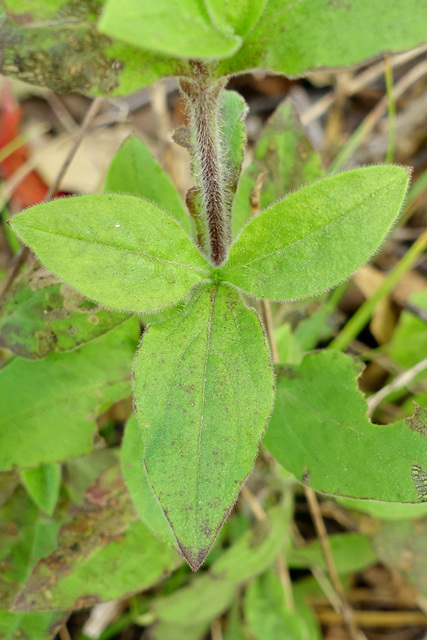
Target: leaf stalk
{"x": 203, "y": 102}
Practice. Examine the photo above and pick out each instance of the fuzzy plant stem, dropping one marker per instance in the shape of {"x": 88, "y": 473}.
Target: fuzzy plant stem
{"x": 203, "y": 105}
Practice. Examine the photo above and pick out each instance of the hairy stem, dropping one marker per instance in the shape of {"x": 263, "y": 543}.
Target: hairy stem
{"x": 203, "y": 102}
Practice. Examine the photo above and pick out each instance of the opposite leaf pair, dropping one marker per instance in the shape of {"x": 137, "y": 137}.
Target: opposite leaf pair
{"x": 203, "y": 380}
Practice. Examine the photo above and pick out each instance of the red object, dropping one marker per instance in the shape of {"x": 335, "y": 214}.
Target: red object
{"x": 32, "y": 189}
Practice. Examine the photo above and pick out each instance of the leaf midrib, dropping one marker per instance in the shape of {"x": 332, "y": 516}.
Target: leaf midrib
{"x": 199, "y": 447}
{"x": 137, "y": 252}
{"x": 348, "y": 212}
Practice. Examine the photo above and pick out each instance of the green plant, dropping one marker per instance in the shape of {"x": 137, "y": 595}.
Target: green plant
{"x": 204, "y": 384}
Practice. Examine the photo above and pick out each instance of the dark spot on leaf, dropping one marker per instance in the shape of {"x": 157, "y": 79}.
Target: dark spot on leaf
{"x": 306, "y": 477}
{"x": 286, "y": 372}
{"x": 260, "y": 531}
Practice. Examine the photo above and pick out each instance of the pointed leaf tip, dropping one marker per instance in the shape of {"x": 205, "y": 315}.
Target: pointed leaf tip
{"x": 194, "y": 560}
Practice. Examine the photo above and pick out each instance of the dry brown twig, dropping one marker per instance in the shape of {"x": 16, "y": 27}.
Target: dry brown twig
{"x": 346, "y": 612}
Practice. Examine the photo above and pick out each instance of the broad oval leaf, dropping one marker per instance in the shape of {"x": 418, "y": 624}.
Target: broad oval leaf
{"x": 293, "y": 37}
{"x": 76, "y": 386}
{"x": 135, "y": 171}
{"x": 119, "y": 250}
{"x": 183, "y": 29}
{"x": 284, "y": 157}
{"x": 317, "y": 236}
{"x": 203, "y": 392}
{"x": 320, "y": 432}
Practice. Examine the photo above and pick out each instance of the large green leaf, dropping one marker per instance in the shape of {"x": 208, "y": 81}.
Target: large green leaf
{"x": 63, "y": 396}
{"x": 292, "y": 37}
{"x": 120, "y": 250}
{"x": 134, "y": 170}
{"x": 183, "y": 29}
{"x": 41, "y": 625}
{"x": 55, "y": 43}
{"x": 285, "y": 158}
{"x": 41, "y": 314}
{"x": 317, "y": 236}
{"x": 102, "y": 553}
{"x": 203, "y": 392}
{"x": 321, "y": 433}
{"x": 145, "y": 501}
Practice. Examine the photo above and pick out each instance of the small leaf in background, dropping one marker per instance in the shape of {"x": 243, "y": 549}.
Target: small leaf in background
{"x": 241, "y": 15}
{"x": 403, "y": 546}
{"x": 286, "y": 159}
{"x": 80, "y": 473}
{"x": 71, "y": 54}
{"x": 385, "y": 510}
{"x": 234, "y": 110}
{"x": 269, "y": 617}
{"x": 324, "y": 34}
{"x": 189, "y": 34}
{"x": 234, "y": 629}
{"x": 352, "y": 552}
{"x": 288, "y": 345}
{"x": 119, "y": 250}
{"x": 409, "y": 341}
{"x": 256, "y": 549}
{"x": 26, "y": 535}
{"x": 41, "y": 625}
{"x": 135, "y": 171}
{"x": 203, "y": 392}
{"x": 144, "y": 500}
{"x": 320, "y": 432}
{"x": 317, "y": 236}
{"x": 94, "y": 559}
{"x": 41, "y": 314}
{"x": 42, "y": 485}
{"x": 80, "y": 384}
{"x": 197, "y": 604}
